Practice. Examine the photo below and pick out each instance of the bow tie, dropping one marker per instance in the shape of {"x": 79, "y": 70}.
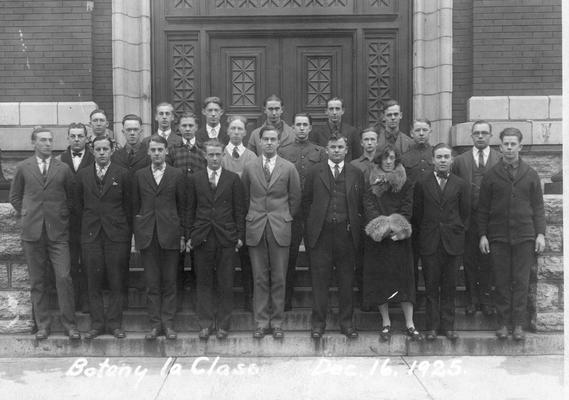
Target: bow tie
{"x": 76, "y": 154}
{"x": 442, "y": 175}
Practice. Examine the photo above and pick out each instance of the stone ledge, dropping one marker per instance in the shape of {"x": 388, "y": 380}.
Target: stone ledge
{"x": 550, "y": 322}
{"x": 514, "y": 107}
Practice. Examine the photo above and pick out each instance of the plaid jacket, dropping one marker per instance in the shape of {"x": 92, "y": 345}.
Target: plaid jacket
{"x": 189, "y": 160}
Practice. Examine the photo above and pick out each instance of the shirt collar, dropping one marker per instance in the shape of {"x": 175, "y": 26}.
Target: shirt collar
{"x": 270, "y": 160}
{"x": 515, "y": 164}
{"x": 240, "y": 148}
{"x": 40, "y": 160}
{"x": 332, "y": 164}
{"x": 217, "y": 128}
{"x": 191, "y": 142}
{"x": 99, "y": 168}
{"x": 164, "y": 134}
{"x": 162, "y": 167}
{"x": 485, "y": 151}
{"x": 217, "y": 171}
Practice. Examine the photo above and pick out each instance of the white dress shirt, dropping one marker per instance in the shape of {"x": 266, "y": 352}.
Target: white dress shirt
{"x": 485, "y": 153}
{"x": 271, "y": 162}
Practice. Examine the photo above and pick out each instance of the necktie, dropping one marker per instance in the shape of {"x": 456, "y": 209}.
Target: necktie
{"x": 130, "y": 156}
{"x": 76, "y": 154}
{"x": 213, "y": 133}
{"x": 480, "y": 159}
{"x": 235, "y": 153}
{"x": 336, "y": 171}
{"x": 158, "y": 172}
{"x": 510, "y": 170}
{"x": 100, "y": 174}
{"x": 267, "y": 171}
{"x": 44, "y": 169}
{"x": 443, "y": 176}
{"x": 212, "y": 180}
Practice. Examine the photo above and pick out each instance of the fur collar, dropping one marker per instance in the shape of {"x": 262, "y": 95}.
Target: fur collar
{"x": 381, "y": 181}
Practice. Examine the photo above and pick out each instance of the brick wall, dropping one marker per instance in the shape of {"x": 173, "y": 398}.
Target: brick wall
{"x": 516, "y": 47}
{"x": 102, "y": 57}
{"x": 461, "y": 58}
{"x": 45, "y": 50}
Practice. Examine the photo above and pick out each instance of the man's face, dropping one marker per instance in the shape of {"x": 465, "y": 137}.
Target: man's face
{"x": 421, "y": 133}
{"x": 442, "y": 159}
{"x": 188, "y": 128}
{"x": 102, "y": 152}
{"x": 213, "y": 156}
{"x": 77, "y": 139}
{"x": 131, "y": 130}
{"x": 99, "y": 124}
{"x": 302, "y": 128}
{"x": 212, "y": 113}
{"x": 157, "y": 152}
{"x": 270, "y": 143}
{"x": 510, "y": 148}
{"x": 392, "y": 117}
{"x": 273, "y": 111}
{"x": 335, "y": 110}
{"x": 164, "y": 117}
{"x": 42, "y": 144}
{"x": 369, "y": 142}
{"x": 236, "y": 132}
{"x": 337, "y": 150}
{"x": 481, "y": 136}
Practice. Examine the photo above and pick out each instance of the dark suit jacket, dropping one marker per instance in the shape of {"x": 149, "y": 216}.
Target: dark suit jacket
{"x": 441, "y": 216}
{"x": 221, "y": 210}
{"x": 40, "y": 203}
{"x": 321, "y": 134}
{"x": 161, "y": 207}
{"x": 202, "y": 137}
{"x": 140, "y": 159}
{"x": 108, "y": 210}
{"x": 316, "y": 197}
{"x": 463, "y": 165}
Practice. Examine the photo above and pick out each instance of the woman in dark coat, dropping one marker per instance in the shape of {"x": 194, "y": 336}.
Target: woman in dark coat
{"x": 388, "y": 275}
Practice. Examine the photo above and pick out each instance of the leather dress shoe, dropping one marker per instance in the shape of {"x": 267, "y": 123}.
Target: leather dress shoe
{"x": 385, "y": 333}
{"x": 221, "y": 334}
{"x": 430, "y": 335}
{"x": 278, "y": 333}
{"x": 518, "y": 333}
{"x": 93, "y": 333}
{"x": 350, "y": 333}
{"x": 414, "y": 334}
{"x": 73, "y": 334}
{"x": 152, "y": 334}
{"x": 451, "y": 335}
{"x": 170, "y": 334}
{"x": 488, "y": 310}
{"x": 260, "y": 333}
{"x": 42, "y": 334}
{"x": 204, "y": 333}
{"x": 470, "y": 309}
{"x": 502, "y": 333}
{"x": 316, "y": 333}
{"x": 118, "y": 333}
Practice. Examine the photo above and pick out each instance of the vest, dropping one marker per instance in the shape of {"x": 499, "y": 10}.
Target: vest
{"x": 477, "y": 175}
{"x": 338, "y": 206}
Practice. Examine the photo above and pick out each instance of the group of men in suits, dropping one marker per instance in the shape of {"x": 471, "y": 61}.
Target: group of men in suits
{"x": 209, "y": 191}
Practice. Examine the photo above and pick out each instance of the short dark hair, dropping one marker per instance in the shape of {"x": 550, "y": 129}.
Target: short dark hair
{"x": 101, "y": 138}
{"x": 234, "y": 117}
{"x": 76, "y": 125}
{"x": 164, "y": 103}
{"x": 38, "y": 129}
{"x": 370, "y": 129}
{"x": 441, "y": 145}
{"x": 212, "y": 99}
{"x": 511, "y": 132}
{"x": 273, "y": 97}
{"x": 423, "y": 120}
{"x": 158, "y": 139}
{"x": 335, "y": 138}
{"x": 188, "y": 114}
{"x": 267, "y": 128}
{"x": 390, "y": 103}
{"x": 132, "y": 117}
{"x": 98, "y": 111}
{"x": 384, "y": 153}
{"x": 335, "y": 98}
{"x": 480, "y": 122}
{"x": 302, "y": 114}
{"x": 212, "y": 143}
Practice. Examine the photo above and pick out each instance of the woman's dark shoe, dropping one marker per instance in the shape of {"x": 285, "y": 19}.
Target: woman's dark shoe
{"x": 385, "y": 333}
{"x": 414, "y": 334}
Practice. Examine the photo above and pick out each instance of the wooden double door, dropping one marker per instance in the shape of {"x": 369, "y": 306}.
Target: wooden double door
{"x": 244, "y": 55}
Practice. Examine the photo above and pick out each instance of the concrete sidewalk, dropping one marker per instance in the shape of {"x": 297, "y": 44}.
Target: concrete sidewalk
{"x": 362, "y": 378}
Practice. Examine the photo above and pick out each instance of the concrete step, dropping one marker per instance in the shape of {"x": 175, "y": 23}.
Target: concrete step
{"x": 294, "y": 344}
{"x": 295, "y": 320}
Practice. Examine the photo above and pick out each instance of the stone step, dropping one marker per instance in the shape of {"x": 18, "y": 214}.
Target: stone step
{"x": 296, "y": 320}
{"x": 294, "y": 344}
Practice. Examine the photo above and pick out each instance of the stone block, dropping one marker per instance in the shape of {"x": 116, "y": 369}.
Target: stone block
{"x": 38, "y": 113}
{"x": 9, "y": 113}
{"x": 554, "y": 238}
{"x": 461, "y": 133}
{"x": 10, "y": 245}
{"x": 4, "y": 275}
{"x": 20, "y": 278}
{"x": 545, "y": 164}
{"x": 548, "y": 296}
{"x": 553, "y": 205}
{"x": 488, "y": 108}
{"x": 68, "y": 112}
{"x": 555, "y": 107}
{"x": 529, "y": 107}
{"x": 549, "y": 322}
{"x": 19, "y": 139}
{"x": 436, "y": 80}
{"x": 22, "y": 324}
{"x": 550, "y": 267}
{"x": 8, "y": 221}
{"x": 14, "y": 303}
{"x": 547, "y": 132}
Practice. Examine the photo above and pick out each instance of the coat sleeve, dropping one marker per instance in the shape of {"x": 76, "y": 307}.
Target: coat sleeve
{"x": 406, "y": 206}
{"x": 371, "y": 209}
{"x": 135, "y": 194}
{"x": 181, "y": 204}
{"x": 484, "y": 205}
{"x": 465, "y": 204}
{"x": 191, "y": 202}
{"x": 536, "y": 201}
{"x": 127, "y": 197}
{"x": 239, "y": 207}
{"x": 307, "y": 192}
{"x": 418, "y": 203}
{"x": 17, "y": 190}
{"x": 294, "y": 191}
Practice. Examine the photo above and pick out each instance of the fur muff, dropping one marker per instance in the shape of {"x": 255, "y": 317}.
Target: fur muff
{"x": 394, "y": 226}
{"x": 381, "y": 181}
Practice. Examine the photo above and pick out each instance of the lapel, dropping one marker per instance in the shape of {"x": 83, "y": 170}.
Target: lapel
{"x": 86, "y": 160}
{"x": 150, "y": 177}
{"x": 276, "y": 171}
{"x": 469, "y": 164}
{"x": 35, "y": 168}
{"x": 350, "y": 178}
{"x": 325, "y": 175}
{"x": 109, "y": 179}
{"x": 261, "y": 173}
{"x": 434, "y": 188}
{"x": 51, "y": 171}
{"x": 221, "y": 184}
{"x": 493, "y": 158}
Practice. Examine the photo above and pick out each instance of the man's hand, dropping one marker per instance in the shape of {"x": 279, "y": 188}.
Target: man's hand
{"x": 182, "y": 244}
{"x": 189, "y": 245}
{"x": 484, "y": 245}
{"x": 238, "y": 245}
{"x": 540, "y": 243}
